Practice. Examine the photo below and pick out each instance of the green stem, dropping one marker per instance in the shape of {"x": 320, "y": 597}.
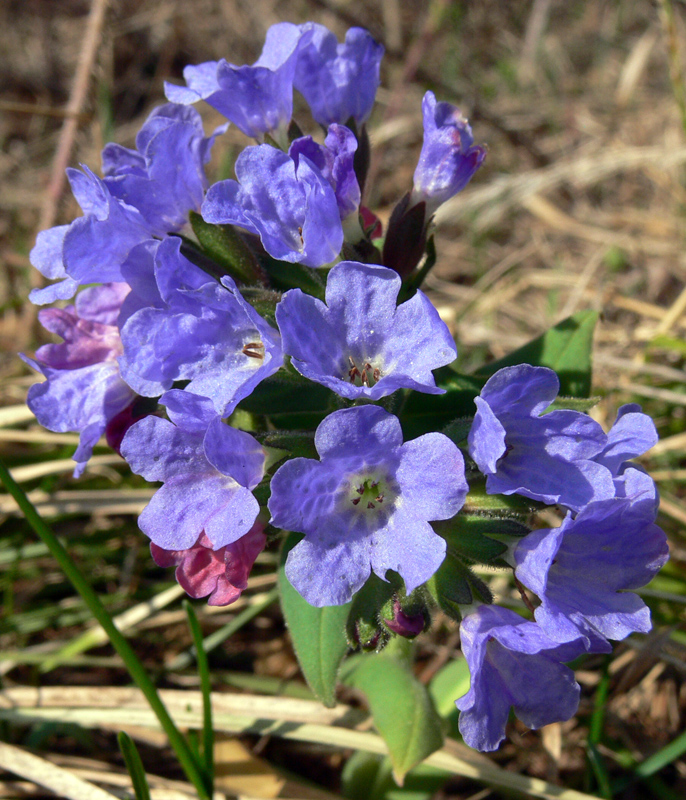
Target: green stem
{"x": 136, "y": 670}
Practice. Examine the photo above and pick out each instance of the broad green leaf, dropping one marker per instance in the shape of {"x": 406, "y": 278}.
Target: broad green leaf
{"x": 566, "y": 348}
{"x": 286, "y": 393}
{"x": 423, "y": 413}
{"x": 318, "y": 634}
{"x": 400, "y": 706}
{"x": 447, "y": 685}
{"x": 367, "y": 776}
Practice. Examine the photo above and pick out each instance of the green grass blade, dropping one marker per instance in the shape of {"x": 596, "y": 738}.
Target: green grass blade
{"x": 130, "y": 659}
{"x": 206, "y": 689}
{"x": 134, "y": 766}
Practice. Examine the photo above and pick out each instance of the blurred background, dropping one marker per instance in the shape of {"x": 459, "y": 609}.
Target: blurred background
{"x": 581, "y": 204}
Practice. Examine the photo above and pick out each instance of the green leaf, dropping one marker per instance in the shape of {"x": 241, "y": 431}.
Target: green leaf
{"x": 446, "y": 686}
{"x": 400, "y": 706}
{"x": 296, "y": 443}
{"x": 423, "y": 413}
{"x": 566, "y": 348}
{"x": 134, "y": 766}
{"x": 367, "y": 776}
{"x": 318, "y": 634}
{"x": 225, "y": 245}
{"x": 458, "y": 430}
{"x": 286, "y": 393}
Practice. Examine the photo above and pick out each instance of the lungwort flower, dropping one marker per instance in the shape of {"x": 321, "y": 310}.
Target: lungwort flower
{"x": 359, "y": 343}
{"x": 208, "y": 469}
{"x": 512, "y": 664}
{"x": 366, "y": 505}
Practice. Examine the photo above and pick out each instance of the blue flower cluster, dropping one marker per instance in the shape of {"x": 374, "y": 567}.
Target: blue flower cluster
{"x": 170, "y": 339}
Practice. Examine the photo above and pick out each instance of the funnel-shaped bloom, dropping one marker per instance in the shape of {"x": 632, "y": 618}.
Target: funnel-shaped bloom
{"x": 205, "y": 333}
{"x": 339, "y": 81}
{"x": 366, "y": 505}
{"x": 360, "y": 344}
{"x": 288, "y": 203}
{"x": 547, "y": 457}
{"x": 83, "y": 389}
{"x": 584, "y": 570}
{"x": 449, "y": 157}
{"x": 164, "y": 178}
{"x": 208, "y": 469}
{"x": 258, "y": 99}
{"x": 512, "y": 664}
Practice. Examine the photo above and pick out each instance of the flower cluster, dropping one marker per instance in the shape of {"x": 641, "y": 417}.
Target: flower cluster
{"x": 267, "y": 302}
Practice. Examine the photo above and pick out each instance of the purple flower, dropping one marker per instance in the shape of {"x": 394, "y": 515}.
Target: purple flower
{"x": 583, "y": 570}
{"x": 547, "y": 457}
{"x": 360, "y": 344}
{"x": 144, "y": 194}
{"x": 632, "y": 434}
{"x": 365, "y": 506}
{"x": 93, "y": 247}
{"x": 222, "y": 573}
{"x": 449, "y": 157}
{"x": 204, "y": 332}
{"x": 339, "y": 81}
{"x": 257, "y": 99}
{"x": 334, "y": 159}
{"x": 84, "y": 389}
{"x": 165, "y": 178}
{"x": 512, "y": 663}
{"x": 208, "y": 469}
{"x": 290, "y": 205}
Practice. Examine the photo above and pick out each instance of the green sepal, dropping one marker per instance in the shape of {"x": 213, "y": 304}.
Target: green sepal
{"x": 225, "y": 245}
{"x": 458, "y": 430}
{"x": 418, "y": 277}
{"x": 565, "y": 348}
{"x": 264, "y": 301}
{"x": 362, "y": 157}
{"x": 454, "y": 585}
{"x": 470, "y": 537}
{"x": 297, "y": 443}
{"x": 318, "y": 634}
{"x": 284, "y": 275}
{"x": 582, "y": 404}
{"x": 364, "y": 628}
{"x": 480, "y": 502}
